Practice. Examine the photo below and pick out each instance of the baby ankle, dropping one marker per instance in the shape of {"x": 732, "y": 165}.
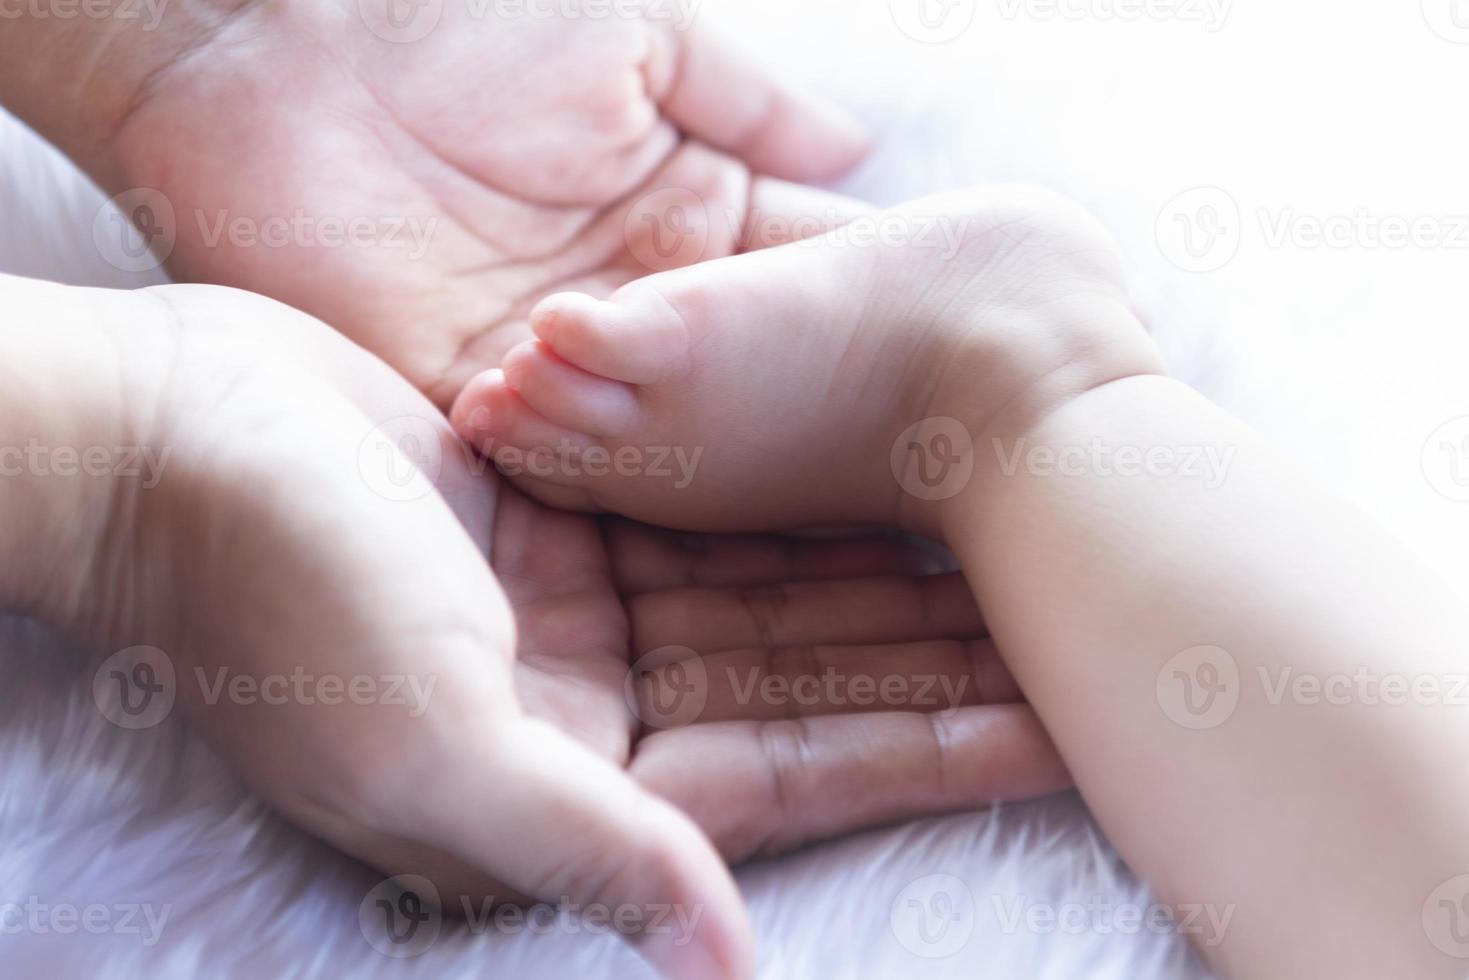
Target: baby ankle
{"x": 972, "y": 426}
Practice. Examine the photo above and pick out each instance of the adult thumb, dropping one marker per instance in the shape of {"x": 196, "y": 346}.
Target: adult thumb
{"x": 539, "y": 812}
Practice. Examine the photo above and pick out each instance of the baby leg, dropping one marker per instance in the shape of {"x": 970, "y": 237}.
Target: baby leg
{"x": 1160, "y": 614}
{"x": 1197, "y": 643}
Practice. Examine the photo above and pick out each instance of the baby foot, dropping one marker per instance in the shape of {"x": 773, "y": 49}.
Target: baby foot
{"x": 770, "y": 389}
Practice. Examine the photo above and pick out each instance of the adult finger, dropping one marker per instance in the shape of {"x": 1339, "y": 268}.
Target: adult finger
{"x": 722, "y": 95}
{"x": 866, "y": 611}
{"x": 647, "y": 559}
{"x": 781, "y": 212}
{"x": 808, "y": 681}
{"x": 762, "y": 788}
{"x": 554, "y": 821}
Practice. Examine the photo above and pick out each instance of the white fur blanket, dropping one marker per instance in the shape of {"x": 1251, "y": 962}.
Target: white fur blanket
{"x": 135, "y": 854}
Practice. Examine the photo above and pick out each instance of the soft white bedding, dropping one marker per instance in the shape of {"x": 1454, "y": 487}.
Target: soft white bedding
{"x": 1350, "y": 356}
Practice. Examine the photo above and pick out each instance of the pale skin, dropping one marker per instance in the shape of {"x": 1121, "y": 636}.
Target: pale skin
{"x": 267, "y": 110}
{"x": 440, "y": 322}
{"x": 262, "y": 547}
{"x": 495, "y": 160}
{"x": 1320, "y": 829}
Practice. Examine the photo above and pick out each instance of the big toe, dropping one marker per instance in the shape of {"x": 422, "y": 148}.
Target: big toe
{"x": 636, "y": 337}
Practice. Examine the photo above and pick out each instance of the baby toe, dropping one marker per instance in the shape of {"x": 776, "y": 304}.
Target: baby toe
{"x": 569, "y": 396}
{"x": 636, "y": 337}
{"x": 492, "y": 418}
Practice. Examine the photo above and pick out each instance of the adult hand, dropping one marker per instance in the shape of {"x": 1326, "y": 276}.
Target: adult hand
{"x": 782, "y": 691}
{"x": 290, "y": 534}
{"x": 420, "y": 183}
{"x": 327, "y": 615}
